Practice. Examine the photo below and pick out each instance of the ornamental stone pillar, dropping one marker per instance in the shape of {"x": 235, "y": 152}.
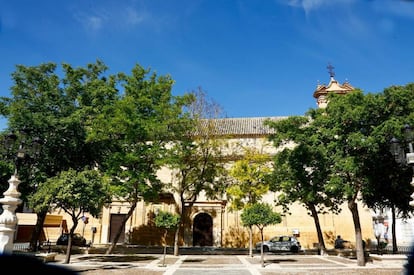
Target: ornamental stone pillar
{"x": 8, "y": 219}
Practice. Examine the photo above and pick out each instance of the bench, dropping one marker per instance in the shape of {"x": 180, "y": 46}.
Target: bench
{"x": 351, "y": 253}
{"x": 47, "y": 257}
{"x": 345, "y": 252}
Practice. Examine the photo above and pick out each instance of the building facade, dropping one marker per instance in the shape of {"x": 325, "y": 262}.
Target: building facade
{"x": 211, "y": 223}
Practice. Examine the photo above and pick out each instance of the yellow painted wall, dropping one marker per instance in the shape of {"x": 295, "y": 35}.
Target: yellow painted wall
{"x": 228, "y": 225}
{"x": 227, "y": 229}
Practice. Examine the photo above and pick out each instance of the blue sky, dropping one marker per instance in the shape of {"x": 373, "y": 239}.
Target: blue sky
{"x": 254, "y": 58}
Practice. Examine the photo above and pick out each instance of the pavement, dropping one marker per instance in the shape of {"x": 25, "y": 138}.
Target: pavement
{"x": 293, "y": 264}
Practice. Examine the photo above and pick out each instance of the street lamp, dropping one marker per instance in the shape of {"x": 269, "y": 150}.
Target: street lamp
{"x": 398, "y": 152}
{"x": 11, "y": 200}
{"x": 409, "y": 134}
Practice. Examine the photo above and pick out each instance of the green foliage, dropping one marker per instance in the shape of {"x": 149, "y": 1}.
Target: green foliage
{"x": 167, "y": 220}
{"x": 388, "y": 182}
{"x": 138, "y": 124}
{"x": 137, "y": 127}
{"x": 342, "y": 151}
{"x": 260, "y": 215}
{"x": 251, "y": 179}
{"x": 195, "y": 155}
{"x": 74, "y": 192}
{"x": 301, "y": 168}
{"x": 54, "y": 109}
{"x": 357, "y": 132}
{"x": 356, "y": 129}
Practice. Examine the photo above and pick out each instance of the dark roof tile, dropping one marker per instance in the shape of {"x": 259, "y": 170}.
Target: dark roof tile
{"x": 250, "y": 126}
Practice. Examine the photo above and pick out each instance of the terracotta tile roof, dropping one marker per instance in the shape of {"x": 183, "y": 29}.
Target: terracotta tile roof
{"x": 249, "y": 126}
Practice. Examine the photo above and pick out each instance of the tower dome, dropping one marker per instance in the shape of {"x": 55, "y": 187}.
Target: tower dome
{"x": 334, "y": 86}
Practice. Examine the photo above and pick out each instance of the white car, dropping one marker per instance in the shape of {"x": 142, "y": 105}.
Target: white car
{"x": 280, "y": 243}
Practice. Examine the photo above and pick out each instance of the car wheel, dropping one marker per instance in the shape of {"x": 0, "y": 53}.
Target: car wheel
{"x": 294, "y": 249}
{"x": 265, "y": 249}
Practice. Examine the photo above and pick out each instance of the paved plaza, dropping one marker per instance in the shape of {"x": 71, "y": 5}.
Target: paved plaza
{"x": 155, "y": 264}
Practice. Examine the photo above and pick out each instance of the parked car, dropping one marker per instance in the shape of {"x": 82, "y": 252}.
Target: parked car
{"x": 280, "y": 243}
{"x": 77, "y": 239}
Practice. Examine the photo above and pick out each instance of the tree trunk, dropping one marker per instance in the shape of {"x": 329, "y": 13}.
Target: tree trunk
{"x": 393, "y": 233}
{"x": 261, "y": 248}
{"x": 360, "y": 253}
{"x": 176, "y": 236}
{"x": 34, "y": 240}
{"x": 69, "y": 247}
{"x": 250, "y": 241}
{"x": 379, "y": 248}
{"x": 112, "y": 246}
{"x": 165, "y": 246}
{"x": 179, "y": 206}
{"x": 321, "y": 242}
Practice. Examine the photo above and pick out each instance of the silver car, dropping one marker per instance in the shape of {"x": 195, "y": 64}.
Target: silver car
{"x": 280, "y": 243}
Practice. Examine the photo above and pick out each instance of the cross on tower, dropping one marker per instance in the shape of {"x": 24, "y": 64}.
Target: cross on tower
{"x": 330, "y": 70}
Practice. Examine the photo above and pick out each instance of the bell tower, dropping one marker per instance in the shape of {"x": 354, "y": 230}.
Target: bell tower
{"x": 334, "y": 86}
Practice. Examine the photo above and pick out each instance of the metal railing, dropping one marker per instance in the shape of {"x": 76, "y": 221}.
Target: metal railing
{"x": 22, "y": 247}
{"x": 388, "y": 250}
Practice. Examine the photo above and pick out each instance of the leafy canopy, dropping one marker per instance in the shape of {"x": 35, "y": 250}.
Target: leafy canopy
{"x": 167, "y": 220}
{"x": 260, "y": 215}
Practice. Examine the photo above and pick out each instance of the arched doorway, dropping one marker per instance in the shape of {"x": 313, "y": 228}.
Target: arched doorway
{"x": 203, "y": 230}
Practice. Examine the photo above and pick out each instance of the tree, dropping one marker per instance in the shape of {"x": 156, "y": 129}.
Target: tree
{"x": 260, "y": 215}
{"x": 57, "y": 110}
{"x": 195, "y": 157}
{"x": 167, "y": 221}
{"x": 342, "y": 126}
{"x": 389, "y": 180}
{"x": 138, "y": 125}
{"x": 301, "y": 168}
{"x": 361, "y": 127}
{"x": 351, "y": 131}
{"x": 251, "y": 182}
{"x": 346, "y": 128}
{"x": 76, "y": 193}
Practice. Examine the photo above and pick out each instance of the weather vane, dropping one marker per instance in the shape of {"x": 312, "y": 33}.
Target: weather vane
{"x": 330, "y": 70}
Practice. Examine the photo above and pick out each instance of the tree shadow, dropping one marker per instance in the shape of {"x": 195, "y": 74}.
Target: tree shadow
{"x": 119, "y": 258}
{"x": 193, "y": 260}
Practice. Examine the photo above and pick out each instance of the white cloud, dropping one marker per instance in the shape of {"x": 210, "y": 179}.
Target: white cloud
{"x": 403, "y": 8}
{"x": 89, "y": 20}
{"x": 396, "y": 8}
{"x": 115, "y": 17}
{"x": 133, "y": 17}
{"x": 390, "y": 12}
{"x": 311, "y": 5}
{"x": 93, "y": 23}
